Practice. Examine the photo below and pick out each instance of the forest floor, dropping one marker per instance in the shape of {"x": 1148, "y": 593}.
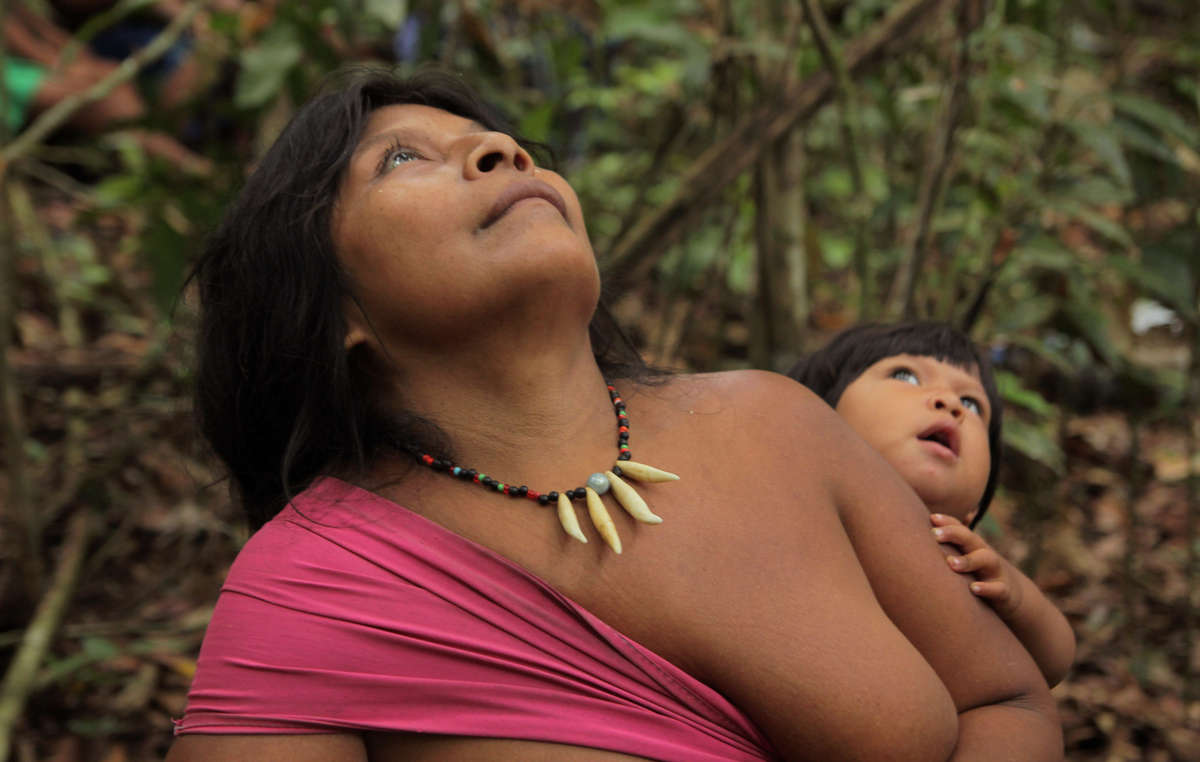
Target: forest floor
{"x": 103, "y": 391}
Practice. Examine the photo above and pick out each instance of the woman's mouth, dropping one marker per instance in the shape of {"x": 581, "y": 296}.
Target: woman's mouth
{"x": 520, "y": 191}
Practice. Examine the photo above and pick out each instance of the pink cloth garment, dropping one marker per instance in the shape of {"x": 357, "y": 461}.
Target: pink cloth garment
{"x": 347, "y": 612}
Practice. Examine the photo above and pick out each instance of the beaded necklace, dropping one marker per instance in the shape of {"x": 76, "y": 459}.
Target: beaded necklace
{"x": 597, "y": 484}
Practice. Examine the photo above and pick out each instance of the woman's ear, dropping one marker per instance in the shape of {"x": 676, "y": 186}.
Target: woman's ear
{"x": 354, "y": 337}
{"x": 357, "y": 328}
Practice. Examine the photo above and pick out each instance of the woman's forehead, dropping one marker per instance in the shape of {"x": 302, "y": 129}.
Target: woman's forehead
{"x": 418, "y": 119}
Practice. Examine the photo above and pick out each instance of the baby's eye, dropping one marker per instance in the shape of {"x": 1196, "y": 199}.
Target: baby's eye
{"x": 395, "y": 156}
{"x": 972, "y": 404}
{"x": 905, "y": 375}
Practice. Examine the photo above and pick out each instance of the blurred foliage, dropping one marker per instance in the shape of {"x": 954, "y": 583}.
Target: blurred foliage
{"x": 1063, "y": 234}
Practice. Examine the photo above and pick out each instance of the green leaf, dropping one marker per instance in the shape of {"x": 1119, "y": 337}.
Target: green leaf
{"x": 836, "y": 249}
{"x": 1110, "y": 229}
{"x": 1034, "y": 443}
{"x": 167, "y": 252}
{"x": 1043, "y": 252}
{"x": 389, "y": 12}
{"x": 535, "y": 124}
{"x": 1092, "y": 325}
{"x": 1155, "y": 114}
{"x": 652, "y": 22}
{"x": 1104, "y": 142}
{"x": 1142, "y": 140}
{"x": 117, "y": 190}
{"x": 834, "y": 183}
{"x": 1013, "y": 391}
{"x": 264, "y": 67}
{"x": 1030, "y": 312}
{"x": 1162, "y": 274}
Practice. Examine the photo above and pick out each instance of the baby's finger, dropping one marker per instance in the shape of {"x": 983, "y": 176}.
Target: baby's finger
{"x": 984, "y": 562}
{"x": 959, "y": 535}
{"x": 943, "y": 520}
{"x": 993, "y": 591}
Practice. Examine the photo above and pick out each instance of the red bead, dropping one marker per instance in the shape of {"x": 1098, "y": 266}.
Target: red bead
{"x": 475, "y": 478}
{"x": 532, "y": 495}
{"x": 427, "y": 460}
{"x": 623, "y": 429}
{"x": 617, "y": 400}
{"x": 506, "y": 489}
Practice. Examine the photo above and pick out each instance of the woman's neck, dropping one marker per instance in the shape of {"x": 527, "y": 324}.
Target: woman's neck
{"x": 524, "y": 414}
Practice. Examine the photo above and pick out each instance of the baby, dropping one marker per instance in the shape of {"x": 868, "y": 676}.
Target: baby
{"x": 925, "y": 398}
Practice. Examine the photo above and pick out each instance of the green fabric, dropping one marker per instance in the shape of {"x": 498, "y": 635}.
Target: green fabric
{"x": 21, "y": 80}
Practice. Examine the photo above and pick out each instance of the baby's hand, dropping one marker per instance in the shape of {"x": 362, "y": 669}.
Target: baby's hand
{"x": 995, "y": 578}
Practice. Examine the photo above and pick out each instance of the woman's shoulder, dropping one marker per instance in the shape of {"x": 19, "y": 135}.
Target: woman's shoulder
{"x": 759, "y": 407}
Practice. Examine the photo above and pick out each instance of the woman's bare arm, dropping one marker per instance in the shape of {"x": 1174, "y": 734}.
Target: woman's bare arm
{"x": 312, "y": 747}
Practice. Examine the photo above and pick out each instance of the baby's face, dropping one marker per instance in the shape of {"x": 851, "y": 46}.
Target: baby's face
{"x": 929, "y": 420}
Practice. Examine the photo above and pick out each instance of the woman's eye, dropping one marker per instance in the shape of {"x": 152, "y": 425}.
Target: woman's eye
{"x": 905, "y": 375}
{"x": 395, "y": 156}
{"x": 972, "y": 404}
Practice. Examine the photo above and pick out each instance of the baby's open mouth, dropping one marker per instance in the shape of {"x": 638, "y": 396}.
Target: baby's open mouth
{"x": 944, "y": 434}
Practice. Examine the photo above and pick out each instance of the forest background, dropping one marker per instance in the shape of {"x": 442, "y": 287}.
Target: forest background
{"x": 756, "y": 176}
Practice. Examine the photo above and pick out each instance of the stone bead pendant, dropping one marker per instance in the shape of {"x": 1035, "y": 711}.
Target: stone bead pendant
{"x": 626, "y": 496}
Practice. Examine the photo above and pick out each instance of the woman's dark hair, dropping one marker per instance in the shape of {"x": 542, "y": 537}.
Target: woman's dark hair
{"x": 277, "y": 396}
{"x": 829, "y": 370}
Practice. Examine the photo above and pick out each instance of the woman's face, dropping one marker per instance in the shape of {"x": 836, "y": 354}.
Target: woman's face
{"x": 448, "y": 231}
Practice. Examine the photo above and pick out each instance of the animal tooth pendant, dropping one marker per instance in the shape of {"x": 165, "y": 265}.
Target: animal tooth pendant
{"x": 602, "y": 521}
{"x": 566, "y": 517}
{"x": 597, "y": 485}
{"x": 630, "y": 500}
{"x": 643, "y": 473}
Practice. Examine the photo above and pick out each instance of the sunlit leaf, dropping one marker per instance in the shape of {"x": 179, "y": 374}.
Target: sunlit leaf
{"x": 1103, "y": 140}
{"x": 1013, "y": 391}
{"x": 1155, "y": 114}
{"x": 1034, "y": 443}
{"x": 388, "y": 12}
{"x": 264, "y": 66}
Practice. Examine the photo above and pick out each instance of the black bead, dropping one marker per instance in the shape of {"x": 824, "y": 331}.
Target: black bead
{"x": 471, "y": 473}
{"x": 488, "y": 481}
{"x": 624, "y": 456}
{"x": 543, "y": 499}
{"x": 617, "y": 470}
{"x": 522, "y": 491}
{"x": 623, "y": 436}
{"x": 552, "y": 496}
{"x": 578, "y": 493}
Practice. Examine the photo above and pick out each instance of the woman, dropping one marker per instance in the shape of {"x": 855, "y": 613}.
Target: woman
{"x": 401, "y": 302}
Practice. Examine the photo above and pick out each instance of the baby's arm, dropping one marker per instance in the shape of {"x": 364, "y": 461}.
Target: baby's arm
{"x": 1036, "y": 622}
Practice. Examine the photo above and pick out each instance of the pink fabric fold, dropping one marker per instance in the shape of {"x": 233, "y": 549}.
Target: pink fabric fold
{"x": 348, "y": 612}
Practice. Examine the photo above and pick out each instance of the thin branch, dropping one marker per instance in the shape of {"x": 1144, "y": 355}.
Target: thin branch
{"x": 1192, "y": 568}
{"x": 701, "y": 183}
{"x": 846, "y": 99}
{"x": 4, "y": 94}
{"x": 55, "y": 116}
{"x": 12, "y": 425}
{"x": 19, "y": 679}
{"x": 933, "y": 184}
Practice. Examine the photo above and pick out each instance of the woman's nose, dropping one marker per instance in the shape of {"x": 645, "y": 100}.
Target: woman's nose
{"x": 495, "y": 150}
